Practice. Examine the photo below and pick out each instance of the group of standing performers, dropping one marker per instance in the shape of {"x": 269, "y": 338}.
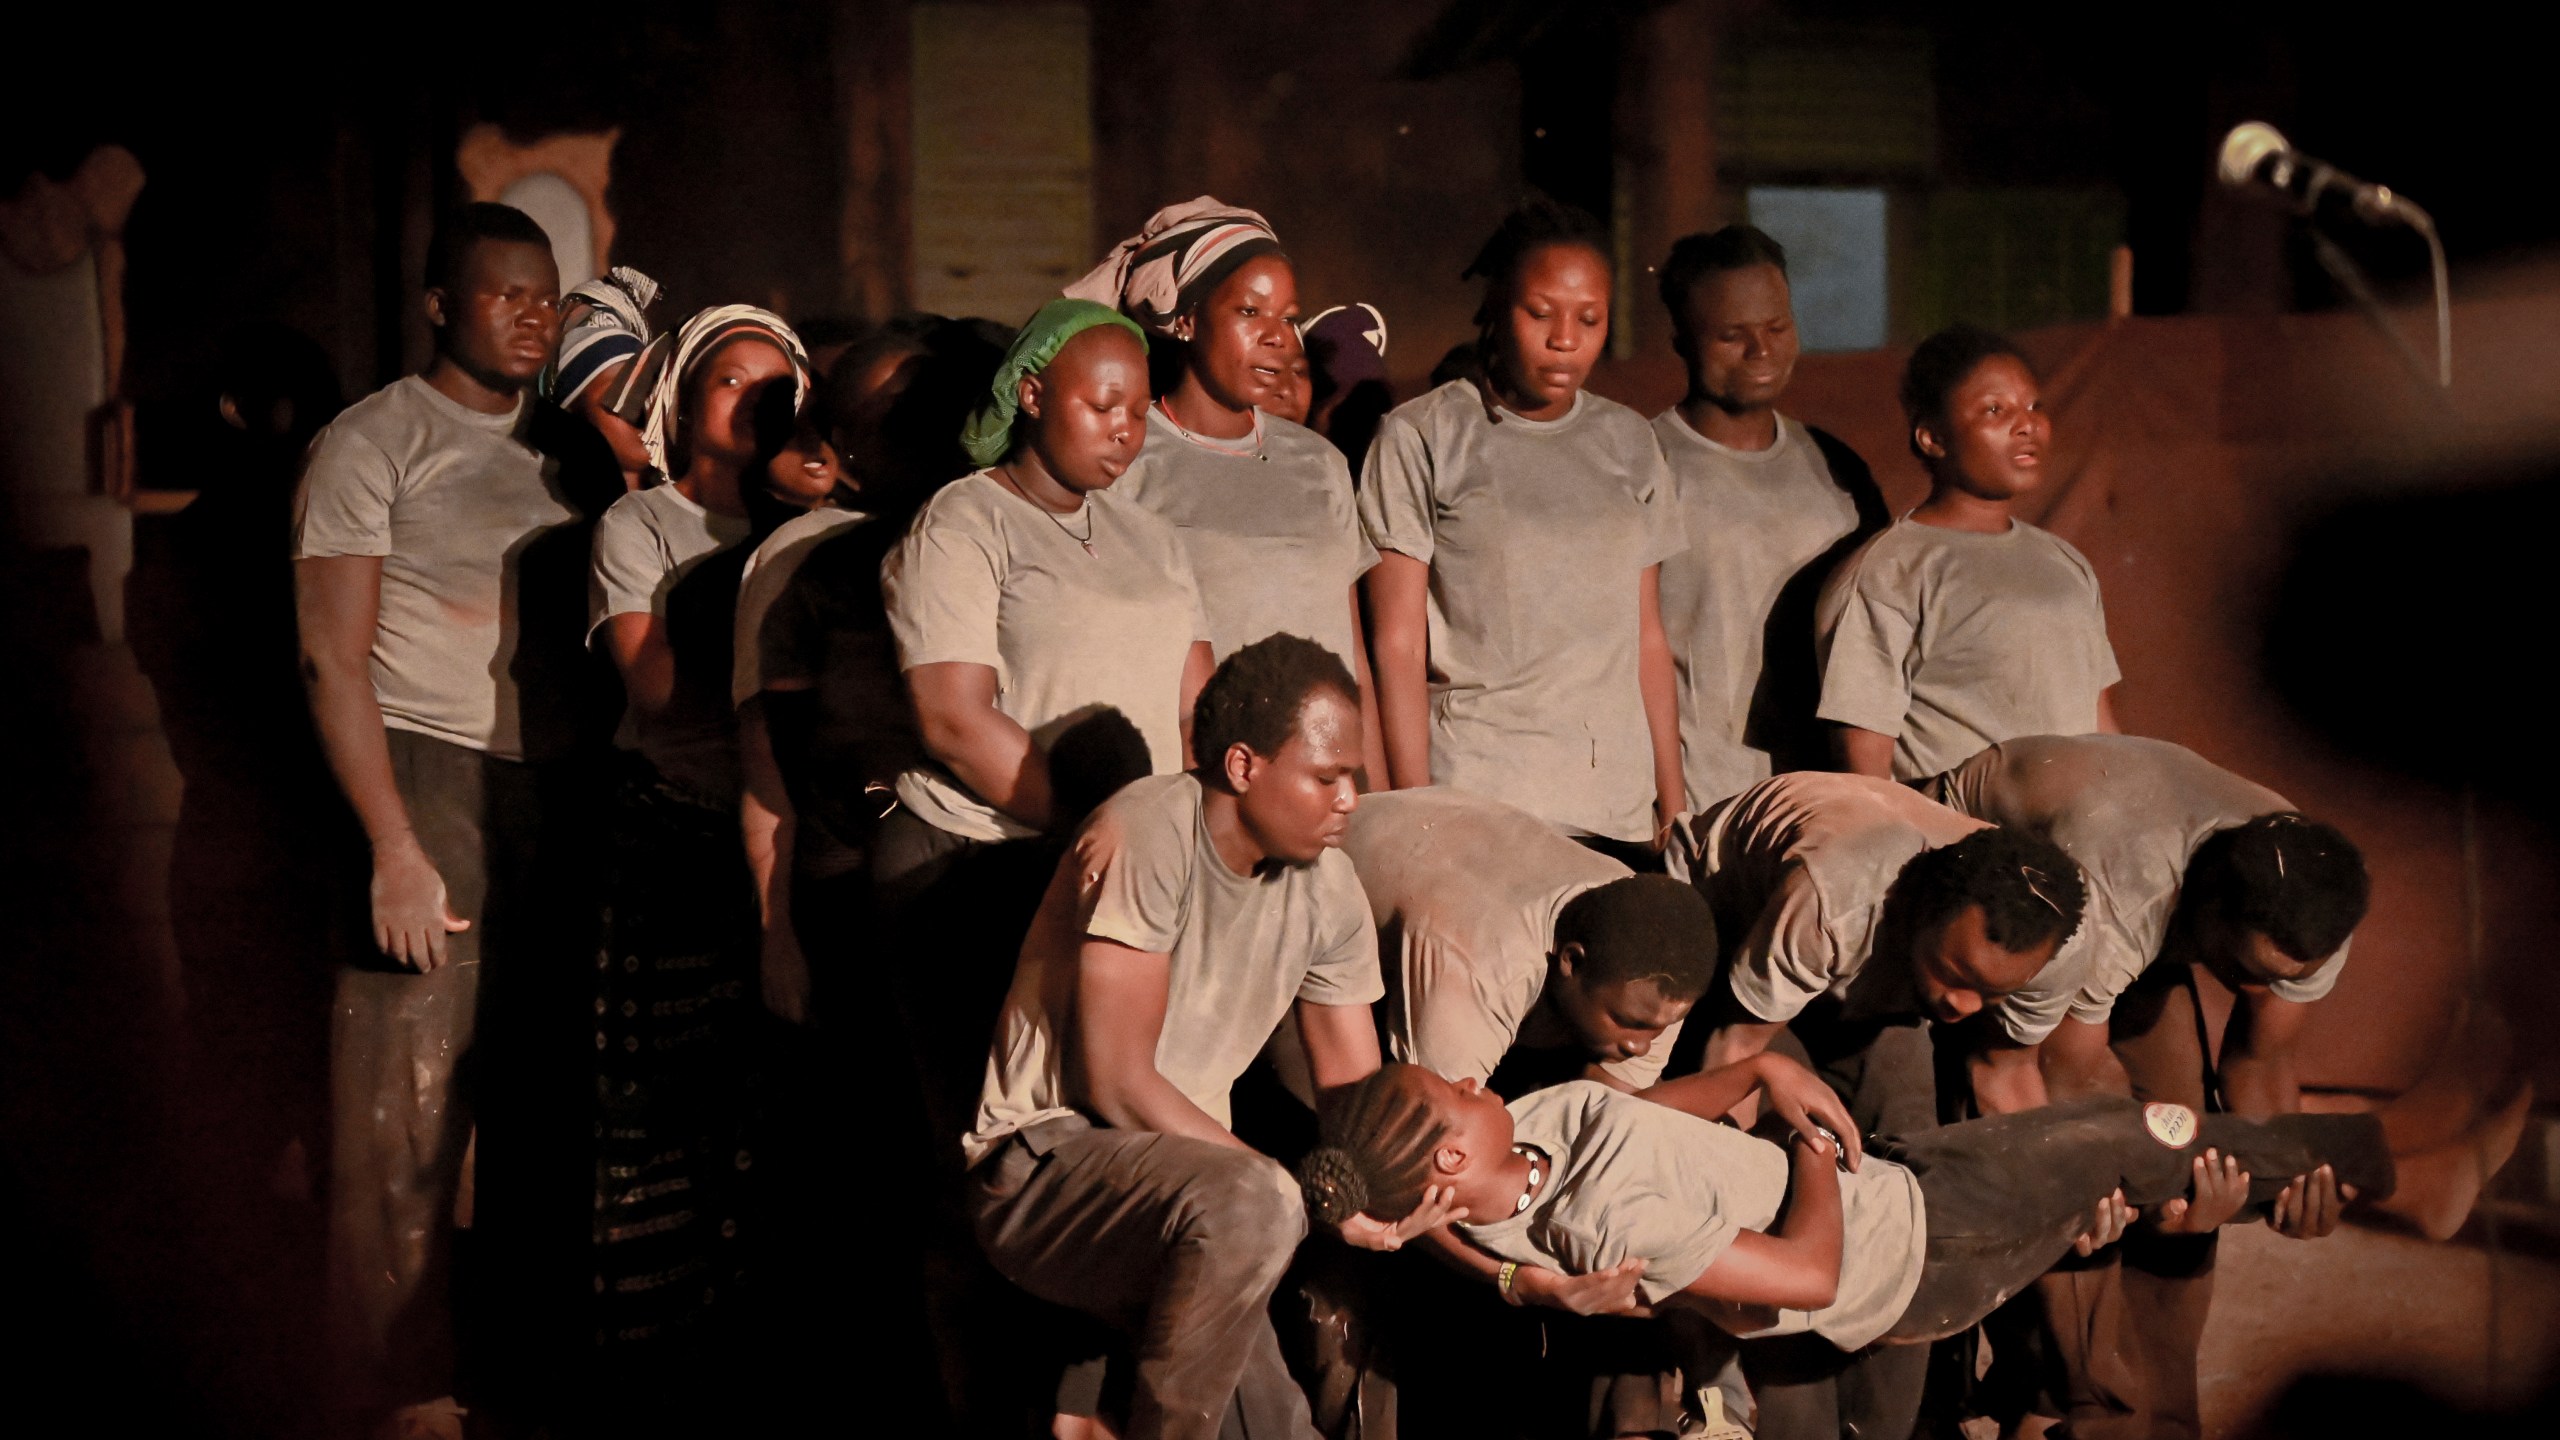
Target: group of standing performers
{"x": 1673, "y": 917}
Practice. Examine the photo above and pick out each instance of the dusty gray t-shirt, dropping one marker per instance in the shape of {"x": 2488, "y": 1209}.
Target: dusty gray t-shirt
{"x": 1754, "y": 519}
{"x": 1639, "y": 1181}
{"x": 1538, "y": 534}
{"x": 1243, "y": 949}
{"x": 1796, "y": 869}
{"x": 1952, "y": 641}
{"x": 1268, "y": 523}
{"x": 449, "y": 498}
{"x": 650, "y": 549}
{"x": 2131, "y": 811}
{"x": 988, "y": 578}
{"x": 768, "y": 575}
{"x": 1466, "y": 892}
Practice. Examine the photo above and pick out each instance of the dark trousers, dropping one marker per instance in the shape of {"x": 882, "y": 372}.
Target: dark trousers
{"x": 2006, "y": 1196}
{"x": 1175, "y": 1243}
{"x": 2124, "y": 1326}
{"x": 417, "y": 1059}
{"x": 1806, "y": 1388}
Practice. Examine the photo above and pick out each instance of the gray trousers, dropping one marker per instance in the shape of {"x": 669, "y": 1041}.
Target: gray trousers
{"x": 398, "y": 1041}
{"x": 1178, "y": 1244}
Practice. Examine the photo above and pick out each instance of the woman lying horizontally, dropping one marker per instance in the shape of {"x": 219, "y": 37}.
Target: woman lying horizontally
{"x": 1921, "y": 1240}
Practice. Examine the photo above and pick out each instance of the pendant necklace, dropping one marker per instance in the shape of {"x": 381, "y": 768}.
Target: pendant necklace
{"x": 1243, "y": 446}
{"x": 1085, "y": 539}
{"x": 1537, "y": 1161}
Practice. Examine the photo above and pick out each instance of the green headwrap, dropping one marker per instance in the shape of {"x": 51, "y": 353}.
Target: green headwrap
{"x": 989, "y": 433}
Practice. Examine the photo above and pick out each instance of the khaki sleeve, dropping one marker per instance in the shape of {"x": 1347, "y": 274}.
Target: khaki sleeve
{"x": 1133, "y": 883}
{"x": 343, "y": 505}
{"x": 943, "y": 587}
{"x": 1788, "y": 959}
{"x": 1397, "y": 506}
{"x": 1346, "y": 971}
{"x": 627, "y": 572}
{"x": 1658, "y": 491}
{"x": 1866, "y": 637}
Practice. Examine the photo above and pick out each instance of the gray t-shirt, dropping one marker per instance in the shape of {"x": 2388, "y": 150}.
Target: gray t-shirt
{"x": 449, "y": 498}
{"x": 1755, "y": 519}
{"x": 768, "y": 575}
{"x": 1268, "y": 523}
{"x": 1796, "y": 869}
{"x": 1951, "y": 641}
{"x": 986, "y": 577}
{"x": 1639, "y": 1181}
{"x": 1243, "y": 949}
{"x": 1538, "y": 534}
{"x": 649, "y": 559}
{"x": 2131, "y": 812}
{"x": 1466, "y": 892}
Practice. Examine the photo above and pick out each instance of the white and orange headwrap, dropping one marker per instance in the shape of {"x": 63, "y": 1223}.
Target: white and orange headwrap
{"x": 1183, "y": 252}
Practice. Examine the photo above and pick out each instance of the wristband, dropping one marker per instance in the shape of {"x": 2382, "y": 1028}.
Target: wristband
{"x": 1502, "y": 1280}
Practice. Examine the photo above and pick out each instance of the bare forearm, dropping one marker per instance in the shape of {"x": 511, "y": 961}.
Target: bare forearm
{"x": 349, "y": 719}
{"x": 1658, "y": 676}
{"x": 995, "y": 758}
{"x": 1862, "y": 752}
{"x": 766, "y": 821}
{"x": 1150, "y": 1102}
{"x": 1712, "y": 1093}
{"x": 1400, "y": 652}
{"x": 2006, "y": 1080}
{"x": 2257, "y": 1086}
{"x": 1373, "y": 730}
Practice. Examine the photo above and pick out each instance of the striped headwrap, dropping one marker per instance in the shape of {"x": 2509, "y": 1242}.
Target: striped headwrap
{"x": 613, "y": 328}
{"x": 1181, "y": 255}
{"x": 669, "y": 363}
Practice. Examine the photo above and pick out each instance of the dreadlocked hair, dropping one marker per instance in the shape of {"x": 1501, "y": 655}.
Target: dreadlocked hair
{"x": 1533, "y": 225}
{"x": 1374, "y": 1154}
{"x": 2297, "y": 881}
{"x": 2029, "y": 890}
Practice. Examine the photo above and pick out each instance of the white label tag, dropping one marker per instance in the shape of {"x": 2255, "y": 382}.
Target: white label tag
{"x": 2171, "y": 1125}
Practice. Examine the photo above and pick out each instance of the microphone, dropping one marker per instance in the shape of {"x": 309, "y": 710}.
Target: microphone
{"x": 2257, "y": 157}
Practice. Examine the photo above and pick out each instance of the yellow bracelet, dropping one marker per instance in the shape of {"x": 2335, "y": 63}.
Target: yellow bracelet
{"x": 1502, "y": 1280}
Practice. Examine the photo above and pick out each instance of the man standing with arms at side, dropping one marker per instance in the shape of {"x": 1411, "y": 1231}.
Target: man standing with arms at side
{"x": 1770, "y": 507}
{"x": 414, "y": 508}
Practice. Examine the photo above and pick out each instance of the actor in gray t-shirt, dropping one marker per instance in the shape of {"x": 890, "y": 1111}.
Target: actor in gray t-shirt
{"x": 1756, "y": 520}
{"x": 648, "y": 550}
{"x": 1538, "y": 534}
{"x": 447, "y": 497}
{"x": 1950, "y": 641}
{"x": 1268, "y": 524}
{"x": 2132, "y": 812}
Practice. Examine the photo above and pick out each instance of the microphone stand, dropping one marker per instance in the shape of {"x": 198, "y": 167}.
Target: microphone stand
{"x": 2383, "y": 205}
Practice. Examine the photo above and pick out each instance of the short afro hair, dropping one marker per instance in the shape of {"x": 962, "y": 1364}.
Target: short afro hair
{"x": 2029, "y": 890}
{"x": 1695, "y": 257}
{"x": 2300, "y": 883}
{"x": 1941, "y": 363}
{"x": 462, "y": 231}
{"x": 1254, "y": 697}
{"x": 1642, "y": 927}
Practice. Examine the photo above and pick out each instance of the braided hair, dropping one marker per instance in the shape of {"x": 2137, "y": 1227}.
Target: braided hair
{"x": 1374, "y": 1154}
{"x": 1533, "y": 225}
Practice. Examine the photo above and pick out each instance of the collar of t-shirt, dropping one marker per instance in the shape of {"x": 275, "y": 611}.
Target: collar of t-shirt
{"x": 1581, "y": 405}
{"x": 502, "y": 423}
{"x": 1679, "y": 425}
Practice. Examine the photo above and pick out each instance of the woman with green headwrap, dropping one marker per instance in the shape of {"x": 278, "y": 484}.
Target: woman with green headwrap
{"x": 1052, "y": 641}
